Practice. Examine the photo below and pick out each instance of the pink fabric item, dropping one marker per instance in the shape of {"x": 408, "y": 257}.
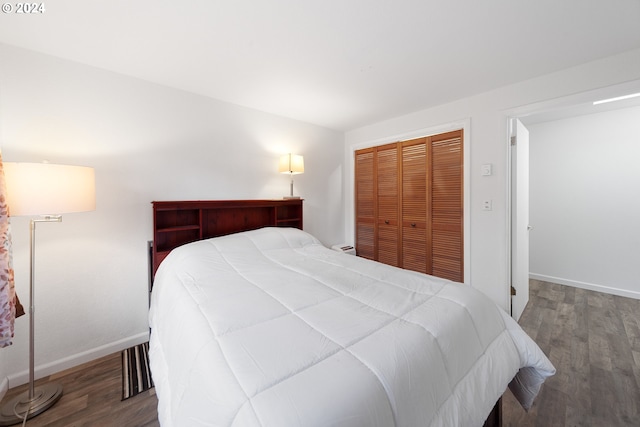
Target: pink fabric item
{"x": 7, "y": 288}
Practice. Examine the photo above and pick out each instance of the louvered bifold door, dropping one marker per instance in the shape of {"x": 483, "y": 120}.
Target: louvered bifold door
{"x": 365, "y": 203}
{"x": 387, "y": 188}
{"x": 416, "y": 254}
{"x": 447, "y": 206}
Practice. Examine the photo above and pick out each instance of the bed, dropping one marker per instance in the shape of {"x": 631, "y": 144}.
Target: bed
{"x": 270, "y": 328}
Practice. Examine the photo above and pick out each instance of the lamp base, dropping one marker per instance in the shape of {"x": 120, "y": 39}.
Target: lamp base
{"x": 290, "y": 197}
{"x": 44, "y": 397}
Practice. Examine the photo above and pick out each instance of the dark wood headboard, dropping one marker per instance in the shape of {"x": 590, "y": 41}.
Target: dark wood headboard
{"x": 178, "y": 222}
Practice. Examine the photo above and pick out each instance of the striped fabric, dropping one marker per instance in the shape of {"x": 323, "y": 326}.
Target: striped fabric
{"x": 136, "y": 375}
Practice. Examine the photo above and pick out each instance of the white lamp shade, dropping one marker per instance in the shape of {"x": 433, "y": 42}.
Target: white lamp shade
{"x": 47, "y": 189}
{"x": 291, "y": 163}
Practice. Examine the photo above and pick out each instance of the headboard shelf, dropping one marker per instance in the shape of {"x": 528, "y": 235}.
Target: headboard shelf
{"x": 176, "y": 223}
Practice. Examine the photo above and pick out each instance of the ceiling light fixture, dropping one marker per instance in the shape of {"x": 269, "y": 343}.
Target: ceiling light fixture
{"x": 618, "y": 98}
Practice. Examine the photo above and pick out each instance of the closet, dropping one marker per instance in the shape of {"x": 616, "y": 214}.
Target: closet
{"x": 409, "y": 204}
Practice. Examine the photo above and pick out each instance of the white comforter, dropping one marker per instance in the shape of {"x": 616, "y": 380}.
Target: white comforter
{"x": 270, "y": 328}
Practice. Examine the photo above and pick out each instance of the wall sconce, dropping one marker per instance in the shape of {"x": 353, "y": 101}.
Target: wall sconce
{"x": 292, "y": 164}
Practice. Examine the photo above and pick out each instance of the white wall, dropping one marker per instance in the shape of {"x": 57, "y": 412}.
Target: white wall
{"x": 146, "y": 142}
{"x": 488, "y": 140}
{"x": 585, "y": 201}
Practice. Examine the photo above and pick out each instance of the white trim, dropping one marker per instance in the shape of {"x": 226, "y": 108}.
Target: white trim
{"x": 589, "y": 286}
{"x": 573, "y": 100}
{"x": 418, "y": 133}
{"x": 74, "y": 360}
{"x": 466, "y": 171}
{"x": 465, "y": 125}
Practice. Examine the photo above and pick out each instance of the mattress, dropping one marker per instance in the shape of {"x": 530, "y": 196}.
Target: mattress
{"x": 271, "y": 328}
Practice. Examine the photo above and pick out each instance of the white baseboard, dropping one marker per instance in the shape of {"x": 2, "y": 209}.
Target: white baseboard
{"x": 589, "y": 286}
{"x": 74, "y": 360}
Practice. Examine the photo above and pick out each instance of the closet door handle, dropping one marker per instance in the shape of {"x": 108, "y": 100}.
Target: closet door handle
{"x": 413, "y": 224}
{"x": 386, "y": 221}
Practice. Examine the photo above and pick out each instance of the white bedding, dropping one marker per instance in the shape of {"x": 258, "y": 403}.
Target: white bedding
{"x": 270, "y": 328}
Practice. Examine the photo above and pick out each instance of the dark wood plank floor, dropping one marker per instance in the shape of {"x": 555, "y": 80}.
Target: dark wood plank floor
{"x": 593, "y": 339}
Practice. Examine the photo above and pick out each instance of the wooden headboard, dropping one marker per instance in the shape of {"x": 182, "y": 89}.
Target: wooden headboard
{"x": 178, "y": 222}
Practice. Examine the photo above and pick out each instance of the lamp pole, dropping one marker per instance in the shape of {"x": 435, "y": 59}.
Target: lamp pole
{"x": 35, "y": 400}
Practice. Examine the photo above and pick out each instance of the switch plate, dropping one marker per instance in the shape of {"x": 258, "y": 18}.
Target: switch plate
{"x": 487, "y": 205}
{"x": 487, "y": 169}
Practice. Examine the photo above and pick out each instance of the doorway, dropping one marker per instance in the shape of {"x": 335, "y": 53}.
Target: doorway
{"x": 558, "y": 109}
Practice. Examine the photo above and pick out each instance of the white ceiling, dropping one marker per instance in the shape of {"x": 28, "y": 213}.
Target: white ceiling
{"x": 339, "y": 64}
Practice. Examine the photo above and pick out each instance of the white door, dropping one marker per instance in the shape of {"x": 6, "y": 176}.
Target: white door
{"x": 519, "y": 217}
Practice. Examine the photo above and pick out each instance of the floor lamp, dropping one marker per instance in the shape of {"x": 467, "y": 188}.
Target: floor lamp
{"x": 44, "y": 190}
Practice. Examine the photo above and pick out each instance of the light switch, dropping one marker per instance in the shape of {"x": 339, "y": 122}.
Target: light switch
{"x": 486, "y": 205}
{"x": 486, "y": 169}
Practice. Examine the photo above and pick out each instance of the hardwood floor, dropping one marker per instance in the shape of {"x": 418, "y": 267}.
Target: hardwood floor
{"x": 593, "y": 339}
{"x": 91, "y": 397}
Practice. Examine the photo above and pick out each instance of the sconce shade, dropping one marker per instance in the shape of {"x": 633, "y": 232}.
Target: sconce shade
{"x": 292, "y": 164}
{"x": 44, "y": 189}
